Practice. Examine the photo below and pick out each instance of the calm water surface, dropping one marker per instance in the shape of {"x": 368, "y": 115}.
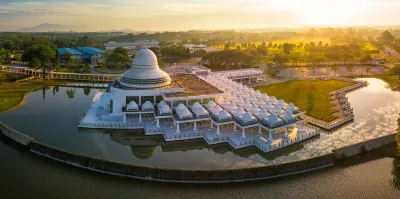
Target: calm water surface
{"x": 51, "y": 117}
{"x": 24, "y": 175}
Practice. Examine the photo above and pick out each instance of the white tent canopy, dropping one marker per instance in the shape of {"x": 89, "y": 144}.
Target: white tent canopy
{"x": 287, "y": 116}
{"x": 161, "y": 104}
{"x": 196, "y": 105}
{"x": 132, "y": 106}
{"x": 248, "y": 117}
{"x": 262, "y": 114}
{"x": 216, "y": 109}
{"x": 148, "y": 106}
{"x": 272, "y": 100}
{"x": 231, "y": 107}
{"x": 200, "y": 112}
{"x": 224, "y": 115}
{"x": 277, "y": 110}
{"x": 165, "y": 110}
{"x": 238, "y": 112}
{"x": 291, "y": 107}
{"x": 268, "y": 106}
{"x": 254, "y": 109}
{"x": 280, "y": 103}
{"x": 273, "y": 120}
{"x": 211, "y": 104}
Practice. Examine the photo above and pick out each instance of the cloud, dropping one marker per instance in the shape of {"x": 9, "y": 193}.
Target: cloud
{"x": 194, "y": 14}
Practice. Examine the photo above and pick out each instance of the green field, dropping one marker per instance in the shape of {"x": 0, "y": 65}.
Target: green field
{"x": 11, "y": 77}
{"x": 310, "y": 95}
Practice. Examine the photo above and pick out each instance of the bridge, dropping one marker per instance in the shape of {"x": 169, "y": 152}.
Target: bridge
{"x": 61, "y": 75}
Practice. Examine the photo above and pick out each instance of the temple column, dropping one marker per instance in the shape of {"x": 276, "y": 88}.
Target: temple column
{"x": 177, "y": 129}
{"x": 259, "y": 131}
{"x": 158, "y": 123}
{"x": 211, "y": 125}
{"x": 140, "y": 100}
{"x": 234, "y": 128}
{"x": 140, "y": 118}
{"x": 269, "y": 140}
{"x": 124, "y": 118}
{"x": 285, "y": 136}
{"x": 154, "y": 100}
{"x": 243, "y": 134}
{"x": 195, "y": 126}
{"x": 218, "y": 131}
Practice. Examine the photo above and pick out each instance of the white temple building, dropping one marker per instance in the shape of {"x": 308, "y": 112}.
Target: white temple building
{"x": 212, "y": 107}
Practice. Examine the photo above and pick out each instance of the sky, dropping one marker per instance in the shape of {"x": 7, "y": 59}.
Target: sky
{"x": 162, "y": 15}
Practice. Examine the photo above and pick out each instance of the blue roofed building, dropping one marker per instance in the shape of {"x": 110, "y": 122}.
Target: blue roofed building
{"x": 73, "y": 54}
{"x": 91, "y": 55}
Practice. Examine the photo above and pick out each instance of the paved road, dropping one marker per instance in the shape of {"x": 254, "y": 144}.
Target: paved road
{"x": 388, "y": 52}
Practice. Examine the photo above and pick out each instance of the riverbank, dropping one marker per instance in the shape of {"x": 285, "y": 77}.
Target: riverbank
{"x": 12, "y": 95}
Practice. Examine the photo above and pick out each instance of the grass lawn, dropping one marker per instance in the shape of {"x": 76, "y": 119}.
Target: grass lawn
{"x": 310, "y": 95}
{"x": 12, "y": 95}
{"x": 11, "y": 77}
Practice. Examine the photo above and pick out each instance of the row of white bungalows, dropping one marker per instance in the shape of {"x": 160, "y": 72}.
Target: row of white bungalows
{"x": 246, "y": 108}
{"x": 194, "y": 113}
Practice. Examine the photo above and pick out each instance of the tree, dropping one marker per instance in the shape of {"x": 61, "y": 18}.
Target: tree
{"x": 121, "y": 50}
{"x": 71, "y": 63}
{"x": 349, "y": 68}
{"x": 281, "y": 58}
{"x": 387, "y": 36}
{"x": 335, "y": 67}
{"x": 295, "y": 57}
{"x": 396, "y": 70}
{"x": 66, "y": 56}
{"x": 86, "y": 91}
{"x": 35, "y": 62}
{"x": 313, "y": 66}
{"x": 42, "y": 52}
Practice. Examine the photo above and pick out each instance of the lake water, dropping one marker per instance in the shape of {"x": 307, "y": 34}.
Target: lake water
{"x": 52, "y": 117}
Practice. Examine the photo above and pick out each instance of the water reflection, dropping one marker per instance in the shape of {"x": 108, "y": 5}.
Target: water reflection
{"x": 51, "y": 117}
{"x": 144, "y": 147}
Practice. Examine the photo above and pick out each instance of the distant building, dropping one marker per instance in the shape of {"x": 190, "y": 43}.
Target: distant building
{"x": 194, "y": 47}
{"x": 132, "y": 47}
{"x": 82, "y": 55}
{"x": 91, "y": 55}
{"x": 74, "y": 55}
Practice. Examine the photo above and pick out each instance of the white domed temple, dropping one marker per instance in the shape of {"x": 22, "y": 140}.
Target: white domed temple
{"x": 191, "y": 105}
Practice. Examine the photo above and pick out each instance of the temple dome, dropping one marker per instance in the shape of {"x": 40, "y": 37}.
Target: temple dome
{"x": 145, "y": 72}
{"x": 145, "y": 58}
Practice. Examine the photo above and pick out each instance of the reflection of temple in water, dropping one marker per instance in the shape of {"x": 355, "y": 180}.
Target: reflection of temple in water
{"x": 143, "y": 147}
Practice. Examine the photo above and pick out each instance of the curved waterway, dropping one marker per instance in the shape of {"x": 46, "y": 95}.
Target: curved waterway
{"x": 52, "y": 117}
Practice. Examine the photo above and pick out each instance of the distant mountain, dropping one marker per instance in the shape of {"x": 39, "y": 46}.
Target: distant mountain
{"x": 56, "y": 28}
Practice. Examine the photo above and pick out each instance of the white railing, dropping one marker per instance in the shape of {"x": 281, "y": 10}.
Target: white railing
{"x": 269, "y": 147}
{"x": 186, "y": 136}
{"x": 110, "y": 125}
